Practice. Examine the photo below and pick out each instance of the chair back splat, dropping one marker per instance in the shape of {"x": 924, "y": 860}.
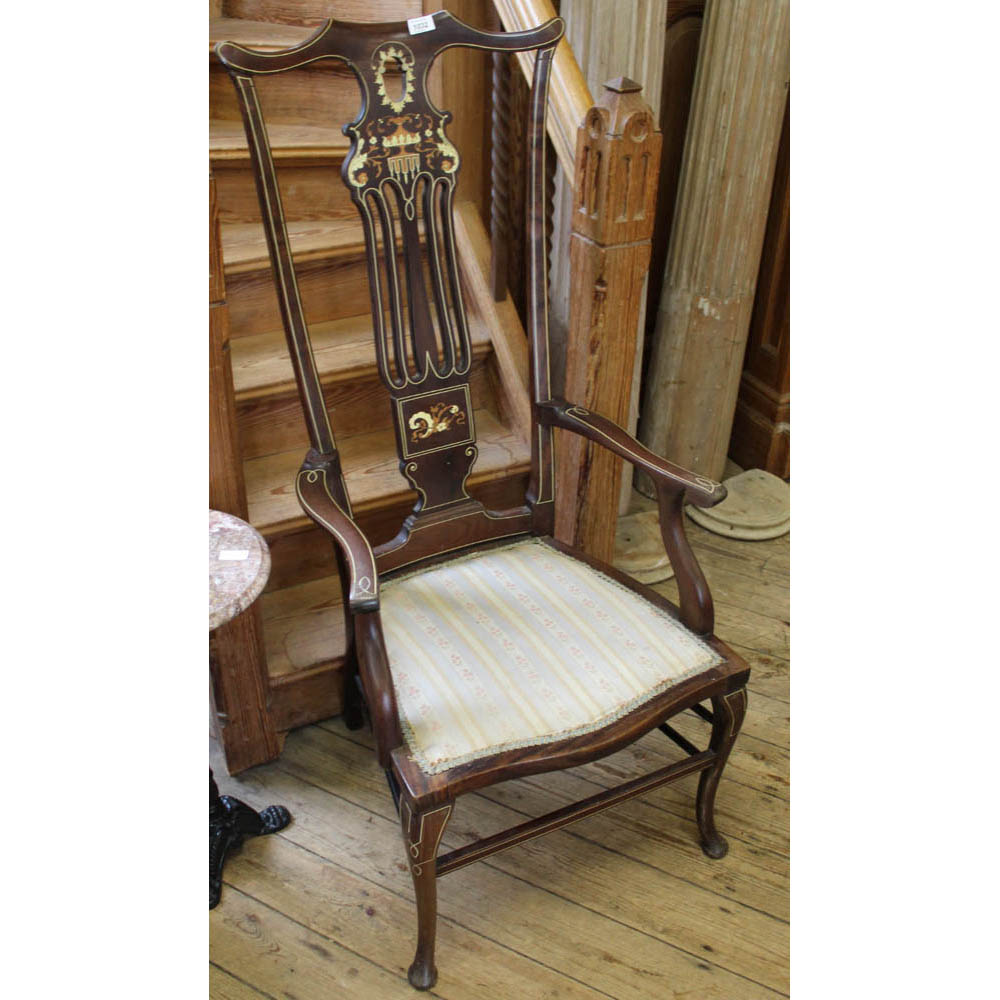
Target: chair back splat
{"x": 401, "y": 173}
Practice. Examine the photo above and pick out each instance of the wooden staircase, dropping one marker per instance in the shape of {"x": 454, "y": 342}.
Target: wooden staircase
{"x": 300, "y": 613}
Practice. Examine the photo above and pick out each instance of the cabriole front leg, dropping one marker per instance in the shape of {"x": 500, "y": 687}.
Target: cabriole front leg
{"x": 422, "y": 836}
{"x": 727, "y": 711}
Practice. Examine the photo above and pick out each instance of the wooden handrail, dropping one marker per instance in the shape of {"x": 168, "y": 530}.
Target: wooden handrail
{"x": 569, "y": 96}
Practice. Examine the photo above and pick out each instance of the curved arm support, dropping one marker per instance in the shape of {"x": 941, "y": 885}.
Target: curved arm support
{"x": 377, "y": 681}
{"x": 697, "y": 490}
{"x": 697, "y": 609}
{"x": 313, "y": 488}
{"x": 675, "y": 486}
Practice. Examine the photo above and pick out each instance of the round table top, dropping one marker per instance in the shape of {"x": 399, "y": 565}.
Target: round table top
{"x": 238, "y": 566}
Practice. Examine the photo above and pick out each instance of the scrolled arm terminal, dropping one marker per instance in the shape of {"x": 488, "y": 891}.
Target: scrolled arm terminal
{"x": 312, "y": 486}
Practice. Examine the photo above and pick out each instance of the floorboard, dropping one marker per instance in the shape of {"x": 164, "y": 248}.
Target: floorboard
{"x": 622, "y": 904}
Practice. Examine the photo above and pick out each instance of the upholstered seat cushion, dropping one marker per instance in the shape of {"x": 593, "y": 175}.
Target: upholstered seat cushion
{"x": 522, "y": 645}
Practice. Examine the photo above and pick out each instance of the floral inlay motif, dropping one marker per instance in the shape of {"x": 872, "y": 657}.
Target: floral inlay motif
{"x": 397, "y": 146}
{"x": 436, "y": 418}
{"x": 405, "y": 59}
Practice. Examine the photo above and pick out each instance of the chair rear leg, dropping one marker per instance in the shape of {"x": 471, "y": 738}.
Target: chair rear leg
{"x": 422, "y": 833}
{"x": 727, "y": 711}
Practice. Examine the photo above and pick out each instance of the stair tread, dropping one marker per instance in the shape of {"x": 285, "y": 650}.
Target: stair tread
{"x": 343, "y": 348}
{"x": 227, "y": 140}
{"x": 371, "y": 468}
{"x": 244, "y": 247}
{"x": 264, "y": 35}
{"x": 303, "y": 625}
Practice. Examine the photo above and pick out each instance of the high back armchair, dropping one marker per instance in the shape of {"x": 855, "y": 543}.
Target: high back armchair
{"x": 485, "y": 649}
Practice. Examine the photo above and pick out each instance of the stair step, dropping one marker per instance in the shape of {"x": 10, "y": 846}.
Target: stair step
{"x": 303, "y": 625}
{"x": 371, "y": 468}
{"x": 330, "y": 265}
{"x": 305, "y": 12}
{"x": 344, "y": 349}
{"x": 227, "y": 143}
{"x": 244, "y": 248}
{"x": 324, "y": 93}
{"x": 308, "y": 175}
{"x": 274, "y": 423}
{"x": 264, "y": 35}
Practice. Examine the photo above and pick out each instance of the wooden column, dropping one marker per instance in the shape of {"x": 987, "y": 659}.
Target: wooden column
{"x": 634, "y": 48}
{"x": 761, "y": 425}
{"x": 718, "y": 230}
{"x": 618, "y": 160}
{"x": 237, "y": 659}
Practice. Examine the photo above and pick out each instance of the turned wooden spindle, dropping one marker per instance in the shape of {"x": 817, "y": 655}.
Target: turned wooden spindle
{"x": 500, "y": 234}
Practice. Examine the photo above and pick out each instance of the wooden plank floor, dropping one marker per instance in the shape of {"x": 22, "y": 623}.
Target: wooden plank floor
{"x": 622, "y": 904}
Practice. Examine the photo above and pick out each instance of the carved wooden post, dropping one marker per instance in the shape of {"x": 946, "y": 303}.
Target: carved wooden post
{"x": 238, "y": 663}
{"x": 618, "y": 160}
{"x": 718, "y": 230}
{"x": 500, "y": 174}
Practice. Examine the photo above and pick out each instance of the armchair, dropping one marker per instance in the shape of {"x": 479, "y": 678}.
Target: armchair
{"x": 484, "y": 649}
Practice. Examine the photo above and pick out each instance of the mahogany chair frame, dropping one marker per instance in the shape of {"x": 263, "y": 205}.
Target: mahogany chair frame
{"x": 423, "y": 353}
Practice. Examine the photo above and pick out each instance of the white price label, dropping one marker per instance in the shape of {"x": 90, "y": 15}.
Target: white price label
{"x": 419, "y": 24}
{"x": 233, "y": 554}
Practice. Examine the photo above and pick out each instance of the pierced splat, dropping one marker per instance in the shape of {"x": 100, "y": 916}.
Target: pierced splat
{"x": 401, "y": 172}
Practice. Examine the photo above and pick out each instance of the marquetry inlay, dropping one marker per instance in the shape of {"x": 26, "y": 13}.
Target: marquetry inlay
{"x": 436, "y": 420}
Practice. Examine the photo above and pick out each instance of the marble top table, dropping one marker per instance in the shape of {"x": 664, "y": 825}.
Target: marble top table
{"x": 238, "y": 566}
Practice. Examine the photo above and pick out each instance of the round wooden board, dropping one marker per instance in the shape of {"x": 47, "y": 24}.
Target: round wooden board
{"x": 639, "y": 548}
{"x": 757, "y": 507}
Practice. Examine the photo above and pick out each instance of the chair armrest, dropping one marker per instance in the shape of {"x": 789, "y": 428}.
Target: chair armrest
{"x": 313, "y": 490}
{"x": 698, "y": 490}
{"x": 674, "y": 487}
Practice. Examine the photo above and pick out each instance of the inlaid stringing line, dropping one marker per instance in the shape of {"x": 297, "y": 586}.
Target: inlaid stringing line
{"x": 378, "y": 308}
{"x": 312, "y": 475}
{"x": 303, "y": 46}
{"x": 415, "y": 846}
{"x": 423, "y": 496}
{"x": 540, "y": 98}
{"x": 577, "y": 413}
{"x": 392, "y": 280}
{"x": 435, "y": 248}
{"x": 456, "y": 285}
{"x": 306, "y": 363}
{"x": 375, "y": 290}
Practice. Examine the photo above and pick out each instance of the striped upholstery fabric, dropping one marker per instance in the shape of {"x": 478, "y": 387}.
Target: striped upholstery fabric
{"x": 523, "y": 645}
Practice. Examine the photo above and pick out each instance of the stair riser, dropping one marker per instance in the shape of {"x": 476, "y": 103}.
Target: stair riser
{"x": 307, "y": 553}
{"x": 310, "y": 11}
{"x": 308, "y": 191}
{"x": 329, "y": 290}
{"x": 294, "y": 644}
{"x": 302, "y": 698}
{"x": 323, "y": 94}
{"x": 275, "y": 423}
